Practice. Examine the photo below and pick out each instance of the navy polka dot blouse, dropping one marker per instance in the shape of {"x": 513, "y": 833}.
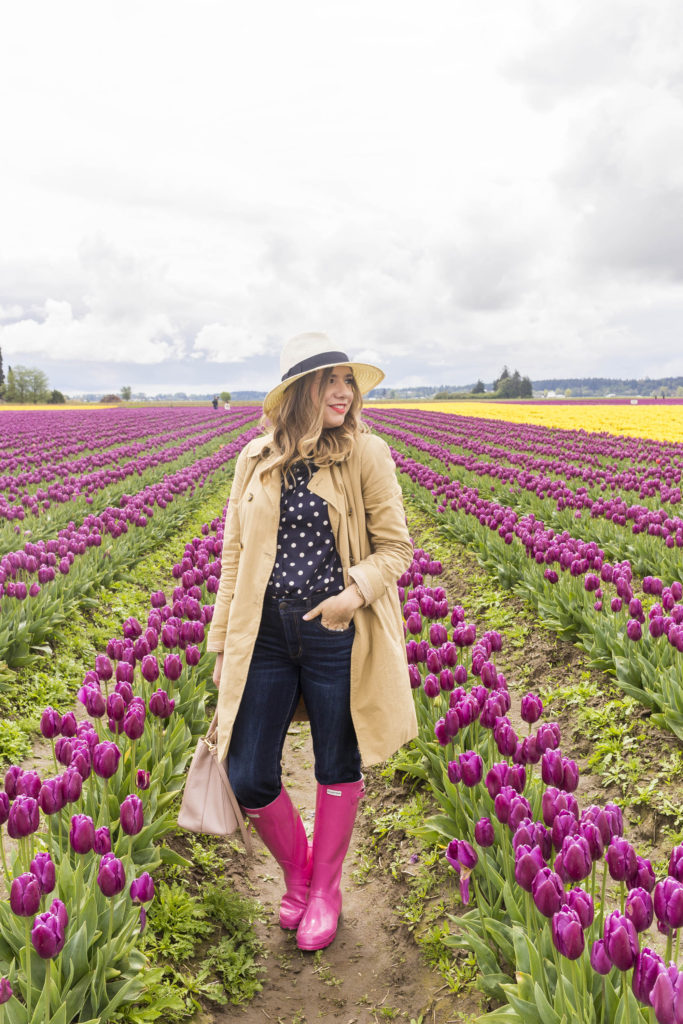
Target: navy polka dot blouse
{"x": 307, "y": 561}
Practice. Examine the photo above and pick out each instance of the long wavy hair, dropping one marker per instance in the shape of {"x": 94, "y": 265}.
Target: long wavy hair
{"x": 298, "y": 432}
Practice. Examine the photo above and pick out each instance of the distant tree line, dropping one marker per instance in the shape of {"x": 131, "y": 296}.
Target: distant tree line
{"x": 507, "y": 385}
{"x": 599, "y": 387}
{"x": 27, "y": 385}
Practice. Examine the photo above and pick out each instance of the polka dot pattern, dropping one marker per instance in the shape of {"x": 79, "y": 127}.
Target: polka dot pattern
{"x": 307, "y": 561}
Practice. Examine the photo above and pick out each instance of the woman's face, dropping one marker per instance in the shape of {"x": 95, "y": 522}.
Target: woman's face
{"x": 337, "y": 394}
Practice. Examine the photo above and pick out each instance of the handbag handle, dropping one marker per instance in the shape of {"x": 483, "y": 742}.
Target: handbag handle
{"x": 210, "y": 740}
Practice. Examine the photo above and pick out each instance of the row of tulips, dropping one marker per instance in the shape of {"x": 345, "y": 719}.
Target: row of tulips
{"x": 44, "y": 582}
{"x": 652, "y": 532}
{"x": 543, "y": 459}
{"x": 538, "y": 864}
{"x": 80, "y": 871}
{"x": 29, "y": 440}
{"x": 577, "y": 592}
{"x": 59, "y": 484}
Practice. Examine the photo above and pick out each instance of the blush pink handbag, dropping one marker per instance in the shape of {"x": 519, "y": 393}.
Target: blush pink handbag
{"x": 209, "y": 805}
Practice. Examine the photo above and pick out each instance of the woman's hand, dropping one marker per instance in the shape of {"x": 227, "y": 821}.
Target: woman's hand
{"x": 217, "y": 669}
{"x": 337, "y": 611}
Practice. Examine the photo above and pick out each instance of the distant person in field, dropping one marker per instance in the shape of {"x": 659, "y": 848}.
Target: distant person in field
{"x": 308, "y": 611}
{"x": 214, "y": 402}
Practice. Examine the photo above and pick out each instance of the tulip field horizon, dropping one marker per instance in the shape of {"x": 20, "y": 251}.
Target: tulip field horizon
{"x": 535, "y": 523}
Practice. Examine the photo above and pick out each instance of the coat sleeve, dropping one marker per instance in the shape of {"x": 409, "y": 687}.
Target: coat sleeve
{"x": 230, "y": 558}
{"x": 385, "y": 522}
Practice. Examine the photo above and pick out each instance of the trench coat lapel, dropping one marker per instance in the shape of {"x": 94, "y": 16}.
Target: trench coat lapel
{"x": 322, "y": 483}
{"x": 271, "y": 483}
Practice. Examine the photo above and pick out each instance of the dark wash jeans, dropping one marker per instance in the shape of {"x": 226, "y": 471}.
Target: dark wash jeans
{"x": 292, "y": 657}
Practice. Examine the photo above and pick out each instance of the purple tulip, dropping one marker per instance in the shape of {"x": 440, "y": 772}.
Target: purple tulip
{"x": 59, "y": 910}
{"x": 132, "y": 628}
{"x": 47, "y": 935}
{"x": 50, "y": 723}
{"x": 676, "y": 863}
{"x": 125, "y": 673}
{"x": 621, "y": 859}
{"x": 69, "y": 724}
{"x": 28, "y": 784}
{"x": 564, "y": 824}
{"x": 567, "y": 933}
{"x": 582, "y": 902}
{"x": 528, "y": 862}
{"x": 111, "y": 876}
{"x": 132, "y": 816}
{"x": 24, "y": 817}
{"x": 160, "y": 705}
{"x": 51, "y": 797}
{"x": 12, "y": 775}
{"x": 639, "y": 908}
{"x": 134, "y": 722}
{"x": 634, "y": 630}
{"x": 173, "y": 667}
{"x": 463, "y": 858}
{"x": 644, "y": 877}
{"x": 192, "y": 655}
{"x": 520, "y": 809}
{"x": 44, "y": 870}
{"x": 103, "y": 667}
{"x": 150, "y": 668}
{"x": 142, "y": 779}
{"x": 621, "y": 940}
{"x": 668, "y": 902}
{"x": 115, "y": 648}
{"x": 591, "y": 833}
{"x": 471, "y": 768}
{"x": 170, "y": 635}
{"x": 142, "y": 888}
{"x": 548, "y": 736}
{"x": 5, "y": 991}
{"x": 4, "y": 808}
{"x": 106, "y": 759}
{"x": 484, "y": 834}
{"x": 82, "y": 833}
{"x": 573, "y": 863}
{"x": 73, "y": 785}
{"x": 25, "y": 894}
{"x": 93, "y": 699}
{"x": 667, "y": 996}
{"x": 548, "y": 892}
{"x": 648, "y": 966}
{"x": 532, "y": 708}
{"x": 600, "y": 961}
{"x": 102, "y": 843}
{"x": 125, "y": 690}
{"x": 116, "y": 707}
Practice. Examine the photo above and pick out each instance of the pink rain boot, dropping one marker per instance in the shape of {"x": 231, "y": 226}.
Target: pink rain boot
{"x": 282, "y": 830}
{"x": 335, "y": 813}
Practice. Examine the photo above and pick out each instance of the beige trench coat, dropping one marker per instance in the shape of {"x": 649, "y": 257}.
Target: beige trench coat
{"x": 368, "y": 522}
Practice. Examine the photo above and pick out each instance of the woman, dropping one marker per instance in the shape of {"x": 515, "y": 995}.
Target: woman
{"x": 307, "y": 608}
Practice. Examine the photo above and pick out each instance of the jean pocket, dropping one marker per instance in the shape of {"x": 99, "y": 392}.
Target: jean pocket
{"x": 349, "y": 631}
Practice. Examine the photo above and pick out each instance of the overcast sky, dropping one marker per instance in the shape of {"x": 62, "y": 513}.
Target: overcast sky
{"x": 444, "y": 186}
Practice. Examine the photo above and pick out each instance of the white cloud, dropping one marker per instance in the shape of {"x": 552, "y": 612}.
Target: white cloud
{"x": 59, "y": 335}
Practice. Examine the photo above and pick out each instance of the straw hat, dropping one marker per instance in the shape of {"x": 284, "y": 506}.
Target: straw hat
{"x": 312, "y": 351}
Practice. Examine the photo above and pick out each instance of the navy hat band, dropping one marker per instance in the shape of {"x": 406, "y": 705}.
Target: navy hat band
{"x": 315, "y": 362}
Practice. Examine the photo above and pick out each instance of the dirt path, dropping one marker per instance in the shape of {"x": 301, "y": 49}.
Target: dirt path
{"x": 373, "y": 971}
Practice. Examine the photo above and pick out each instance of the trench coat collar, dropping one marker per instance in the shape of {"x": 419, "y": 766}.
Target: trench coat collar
{"x": 321, "y": 483}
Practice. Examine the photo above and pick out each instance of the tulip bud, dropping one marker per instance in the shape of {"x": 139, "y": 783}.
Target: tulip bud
{"x": 142, "y": 888}
{"x": 639, "y": 908}
{"x": 548, "y": 892}
{"x": 621, "y": 941}
{"x": 102, "y": 842}
{"x": 50, "y": 723}
{"x": 132, "y": 817}
{"x": 23, "y": 818}
{"x": 567, "y": 933}
{"x": 600, "y": 962}
{"x": 82, "y": 833}
{"x": 5, "y": 991}
{"x": 25, "y": 895}
{"x": 484, "y": 833}
{"x": 44, "y": 870}
{"x": 47, "y": 935}
{"x": 173, "y": 667}
{"x": 111, "y": 876}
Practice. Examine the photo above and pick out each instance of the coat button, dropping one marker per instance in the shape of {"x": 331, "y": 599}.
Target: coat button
{"x": 350, "y": 511}
{"x": 250, "y": 497}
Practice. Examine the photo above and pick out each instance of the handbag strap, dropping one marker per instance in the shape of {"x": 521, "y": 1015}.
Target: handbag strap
{"x": 225, "y": 782}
